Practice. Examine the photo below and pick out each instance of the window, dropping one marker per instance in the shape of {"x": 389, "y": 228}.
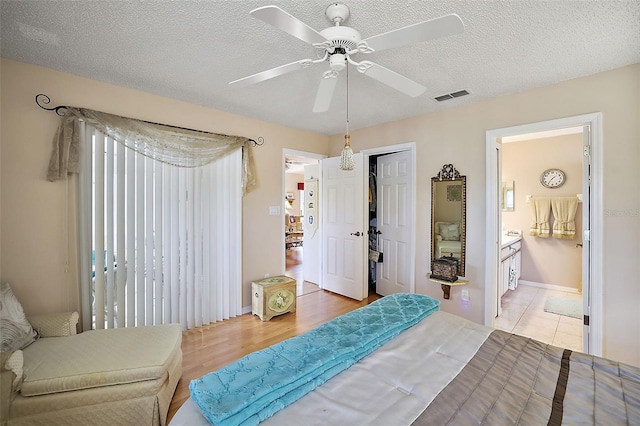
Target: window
{"x": 170, "y": 237}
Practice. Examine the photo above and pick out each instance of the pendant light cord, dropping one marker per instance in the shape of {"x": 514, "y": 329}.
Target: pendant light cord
{"x": 347, "y": 99}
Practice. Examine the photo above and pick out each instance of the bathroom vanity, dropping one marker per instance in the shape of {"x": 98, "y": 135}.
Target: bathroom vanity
{"x": 510, "y": 262}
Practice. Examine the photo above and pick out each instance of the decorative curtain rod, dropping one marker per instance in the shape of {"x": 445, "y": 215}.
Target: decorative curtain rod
{"x": 42, "y": 100}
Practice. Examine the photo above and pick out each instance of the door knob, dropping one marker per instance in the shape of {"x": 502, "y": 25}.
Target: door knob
{"x": 579, "y": 245}
{"x": 378, "y": 232}
{"x": 357, "y": 234}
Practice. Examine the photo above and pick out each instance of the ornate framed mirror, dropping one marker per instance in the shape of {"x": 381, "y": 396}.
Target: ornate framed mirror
{"x": 449, "y": 215}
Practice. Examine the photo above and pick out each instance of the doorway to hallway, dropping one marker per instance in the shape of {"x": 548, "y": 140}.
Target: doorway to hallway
{"x": 299, "y": 250}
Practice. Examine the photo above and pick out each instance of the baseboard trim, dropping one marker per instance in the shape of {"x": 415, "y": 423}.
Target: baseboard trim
{"x": 550, "y": 286}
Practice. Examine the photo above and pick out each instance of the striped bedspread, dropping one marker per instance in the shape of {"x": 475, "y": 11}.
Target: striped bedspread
{"x": 515, "y": 380}
{"x": 264, "y": 382}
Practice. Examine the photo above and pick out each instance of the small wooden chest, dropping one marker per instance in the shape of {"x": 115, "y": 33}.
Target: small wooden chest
{"x": 273, "y": 296}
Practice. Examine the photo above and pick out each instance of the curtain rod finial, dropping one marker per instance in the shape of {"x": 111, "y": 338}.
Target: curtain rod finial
{"x": 42, "y": 100}
{"x": 259, "y": 142}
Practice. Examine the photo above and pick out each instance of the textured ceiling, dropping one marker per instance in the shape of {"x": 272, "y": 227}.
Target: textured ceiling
{"x": 190, "y": 50}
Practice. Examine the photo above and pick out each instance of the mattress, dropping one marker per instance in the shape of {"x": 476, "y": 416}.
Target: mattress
{"x": 387, "y": 387}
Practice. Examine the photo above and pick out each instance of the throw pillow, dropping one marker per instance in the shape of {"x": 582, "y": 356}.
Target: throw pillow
{"x": 17, "y": 333}
{"x": 450, "y": 231}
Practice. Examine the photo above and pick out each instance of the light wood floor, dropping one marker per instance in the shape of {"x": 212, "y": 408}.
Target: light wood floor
{"x": 211, "y": 347}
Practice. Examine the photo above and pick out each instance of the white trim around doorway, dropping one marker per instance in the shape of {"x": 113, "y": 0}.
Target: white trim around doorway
{"x": 594, "y": 120}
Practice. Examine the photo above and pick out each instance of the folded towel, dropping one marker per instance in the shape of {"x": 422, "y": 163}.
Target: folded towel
{"x": 564, "y": 210}
{"x": 263, "y": 382}
{"x": 513, "y": 279}
{"x": 540, "y": 209}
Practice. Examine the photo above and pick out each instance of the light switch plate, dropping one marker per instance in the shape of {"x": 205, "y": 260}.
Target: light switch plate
{"x": 465, "y": 294}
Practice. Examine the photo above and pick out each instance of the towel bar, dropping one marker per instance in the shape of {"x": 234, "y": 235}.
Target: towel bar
{"x": 528, "y": 197}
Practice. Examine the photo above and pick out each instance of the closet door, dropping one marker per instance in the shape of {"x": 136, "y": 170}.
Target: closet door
{"x": 394, "y": 191}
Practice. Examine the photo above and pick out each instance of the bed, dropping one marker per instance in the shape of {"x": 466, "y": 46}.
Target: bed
{"x": 440, "y": 369}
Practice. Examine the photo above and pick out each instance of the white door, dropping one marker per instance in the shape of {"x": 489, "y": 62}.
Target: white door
{"x": 311, "y": 264}
{"x": 394, "y": 190}
{"x": 343, "y": 230}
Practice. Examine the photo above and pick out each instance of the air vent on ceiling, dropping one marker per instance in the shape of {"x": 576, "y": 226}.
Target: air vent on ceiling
{"x": 38, "y": 34}
{"x": 451, "y": 95}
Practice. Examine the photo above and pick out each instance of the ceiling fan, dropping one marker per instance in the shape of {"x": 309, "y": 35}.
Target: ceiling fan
{"x": 288, "y": 163}
{"x": 338, "y": 43}
{"x": 296, "y": 163}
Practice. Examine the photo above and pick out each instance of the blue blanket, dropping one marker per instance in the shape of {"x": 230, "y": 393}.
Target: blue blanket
{"x": 255, "y": 387}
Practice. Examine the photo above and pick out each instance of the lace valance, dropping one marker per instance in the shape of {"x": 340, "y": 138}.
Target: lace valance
{"x": 171, "y": 145}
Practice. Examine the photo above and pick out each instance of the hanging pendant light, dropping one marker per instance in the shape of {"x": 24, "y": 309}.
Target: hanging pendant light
{"x": 346, "y": 159}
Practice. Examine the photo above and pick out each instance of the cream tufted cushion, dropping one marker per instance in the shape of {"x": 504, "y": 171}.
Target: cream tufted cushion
{"x": 99, "y": 358}
{"x": 55, "y": 325}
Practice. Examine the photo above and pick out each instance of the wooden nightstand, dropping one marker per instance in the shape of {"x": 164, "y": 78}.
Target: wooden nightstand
{"x": 273, "y": 296}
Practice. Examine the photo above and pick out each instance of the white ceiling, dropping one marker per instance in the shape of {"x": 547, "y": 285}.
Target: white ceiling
{"x": 190, "y": 50}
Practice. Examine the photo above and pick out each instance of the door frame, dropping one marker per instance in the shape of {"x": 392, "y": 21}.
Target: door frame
{"x": 390, "y": 149}
{"x": 493, "y": 179}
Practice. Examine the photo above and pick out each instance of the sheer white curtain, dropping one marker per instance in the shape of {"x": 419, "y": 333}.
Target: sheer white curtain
{"x": 158, "y": 243}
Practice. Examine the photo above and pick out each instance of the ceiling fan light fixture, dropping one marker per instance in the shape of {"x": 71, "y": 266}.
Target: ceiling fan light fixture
{"x": 338, "y": 61}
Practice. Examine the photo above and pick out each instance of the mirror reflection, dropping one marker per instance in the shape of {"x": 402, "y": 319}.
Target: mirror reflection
{"x": 448, "y": 215}
{"x": 508, "y": 196}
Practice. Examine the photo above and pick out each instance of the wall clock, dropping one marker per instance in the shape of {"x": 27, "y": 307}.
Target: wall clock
{"x": 552, "y": 178}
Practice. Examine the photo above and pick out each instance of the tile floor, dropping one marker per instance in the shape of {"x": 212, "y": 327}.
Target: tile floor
{"x": 523, "y": 313}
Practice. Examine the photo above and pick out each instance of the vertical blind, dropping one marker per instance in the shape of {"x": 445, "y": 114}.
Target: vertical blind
{"x": 158, "y": 243}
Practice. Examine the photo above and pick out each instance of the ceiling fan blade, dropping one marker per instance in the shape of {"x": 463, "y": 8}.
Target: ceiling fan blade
{"x": 325, "y": 91}
{"x": 268, "y": 74}
{"x": 277, "y": 17}
{"x": 391, "y": 78}
{"x": 428, "y": 30}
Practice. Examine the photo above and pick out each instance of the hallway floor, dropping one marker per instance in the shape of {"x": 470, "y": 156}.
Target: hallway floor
{"x": 293, "y": 266}
{"x": 523, "y": 313}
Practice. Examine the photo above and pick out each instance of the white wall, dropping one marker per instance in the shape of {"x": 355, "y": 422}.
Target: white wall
{"x": 457, "y": 136}
{"x": 37, "y": 239}
{"x": 291, "y": 185}
{"x": 33, "y": 242}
